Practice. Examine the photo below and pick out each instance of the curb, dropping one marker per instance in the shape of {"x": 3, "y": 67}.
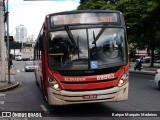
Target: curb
{"x": 143, "y": 72}
{"x": 10, "y": 87}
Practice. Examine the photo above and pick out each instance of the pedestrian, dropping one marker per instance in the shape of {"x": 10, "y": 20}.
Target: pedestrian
{"x": 10, "y": 61}
{"x": 138, "y": 65}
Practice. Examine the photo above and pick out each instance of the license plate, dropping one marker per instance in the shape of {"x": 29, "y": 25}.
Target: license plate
{"x": 92, "y": 96}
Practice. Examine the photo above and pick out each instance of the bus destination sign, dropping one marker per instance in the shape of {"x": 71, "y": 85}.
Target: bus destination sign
{"x": 84, "y": 18}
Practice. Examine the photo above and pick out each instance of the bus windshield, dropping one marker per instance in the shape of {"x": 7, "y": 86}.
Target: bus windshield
{"x": 87, "y": 48}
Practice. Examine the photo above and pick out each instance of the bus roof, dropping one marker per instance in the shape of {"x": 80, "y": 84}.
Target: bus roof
{"x": 84, "y": 11}
{"x": 84, "y": 17}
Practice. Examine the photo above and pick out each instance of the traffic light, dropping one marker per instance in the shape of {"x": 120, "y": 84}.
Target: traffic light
{"x": 10, "y": 38}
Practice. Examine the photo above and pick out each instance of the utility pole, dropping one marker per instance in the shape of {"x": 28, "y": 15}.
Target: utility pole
{"x": 8, "y": 46}
{"x": 2, "y": 43}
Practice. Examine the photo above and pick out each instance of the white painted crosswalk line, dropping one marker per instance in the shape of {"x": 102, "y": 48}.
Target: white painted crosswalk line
{"x": 1, "y": 102}
{"x": 2, "y": 95}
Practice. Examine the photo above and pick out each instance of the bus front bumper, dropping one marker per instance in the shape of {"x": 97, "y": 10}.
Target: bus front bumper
{"x": 78, "y": 97}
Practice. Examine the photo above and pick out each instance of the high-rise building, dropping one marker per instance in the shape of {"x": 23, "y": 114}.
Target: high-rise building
{"x": 21, "y": 34}
{"x": 31, "y": 39}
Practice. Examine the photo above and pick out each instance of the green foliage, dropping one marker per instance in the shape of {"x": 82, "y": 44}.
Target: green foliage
{"x": 140, "y": 17}
{"x": 96, "y": 4}
{"x": 142, "y": 20}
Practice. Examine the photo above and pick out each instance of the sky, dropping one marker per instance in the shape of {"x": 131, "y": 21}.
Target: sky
{"x": 31, "y": 13}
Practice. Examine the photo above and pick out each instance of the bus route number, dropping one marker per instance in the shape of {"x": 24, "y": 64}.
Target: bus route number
{"x": 105, "y": 77}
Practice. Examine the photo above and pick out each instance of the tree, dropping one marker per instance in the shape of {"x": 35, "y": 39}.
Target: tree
{"x": 97, "y": 4}
{"x": 142, "y": 20}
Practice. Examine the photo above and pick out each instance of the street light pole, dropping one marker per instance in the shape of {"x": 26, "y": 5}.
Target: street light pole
{"x": 9, "y": 81}
{"x": 2, "y": 44}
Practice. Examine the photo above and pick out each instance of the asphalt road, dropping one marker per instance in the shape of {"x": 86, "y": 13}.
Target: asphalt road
{"x": 143, "y": 96}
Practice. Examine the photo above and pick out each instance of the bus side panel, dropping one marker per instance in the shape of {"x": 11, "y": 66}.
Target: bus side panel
{"x": 36, "y": 71}
{"x": 43, "y": 66}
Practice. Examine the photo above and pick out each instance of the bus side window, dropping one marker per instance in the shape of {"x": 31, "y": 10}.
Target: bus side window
{"x": 41, "y": 39}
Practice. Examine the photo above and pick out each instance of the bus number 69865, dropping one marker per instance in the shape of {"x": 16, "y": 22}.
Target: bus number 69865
{"x": 105, "y": 77}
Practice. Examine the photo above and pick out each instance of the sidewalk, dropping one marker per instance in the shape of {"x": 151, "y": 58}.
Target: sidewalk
{"x": 4, "y": 85}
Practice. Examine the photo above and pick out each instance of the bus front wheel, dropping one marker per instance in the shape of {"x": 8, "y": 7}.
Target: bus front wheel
{"x": 43, "y": 91}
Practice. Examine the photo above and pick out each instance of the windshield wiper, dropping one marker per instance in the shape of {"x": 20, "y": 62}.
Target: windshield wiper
{"x": 99, "y": 34}
{"x": 71, "y": 37}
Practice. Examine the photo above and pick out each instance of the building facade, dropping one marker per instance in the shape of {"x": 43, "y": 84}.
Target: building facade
{"x": 21, "y": 34}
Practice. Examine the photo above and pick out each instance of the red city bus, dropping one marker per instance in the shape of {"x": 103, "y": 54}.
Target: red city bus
{"x": 82, "y": 57}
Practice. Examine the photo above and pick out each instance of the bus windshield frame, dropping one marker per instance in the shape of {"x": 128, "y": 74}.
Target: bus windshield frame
{"x": 83, "y": 53}
{"x": 81, "y": 44}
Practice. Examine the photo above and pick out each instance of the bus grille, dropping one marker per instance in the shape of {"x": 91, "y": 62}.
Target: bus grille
{"x": 88, "y": 72}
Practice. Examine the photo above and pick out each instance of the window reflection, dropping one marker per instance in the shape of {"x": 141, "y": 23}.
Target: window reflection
{"x": 109, "y": 48}
{"x": 66, "y": 52}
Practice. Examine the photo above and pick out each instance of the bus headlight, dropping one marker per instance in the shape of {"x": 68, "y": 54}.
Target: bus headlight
{"x": 123, "y": 79}
{"x": 54, "y": 84}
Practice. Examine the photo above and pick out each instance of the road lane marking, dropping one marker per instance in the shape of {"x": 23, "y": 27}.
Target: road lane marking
{"x": 151, "y": 80}
{"x": 18, "y": 70}
{"x": 44, "y": 109}
{"x": 1, "y": 108}
{"x": 1, "y": 102}
{"x": 2, "y": 95}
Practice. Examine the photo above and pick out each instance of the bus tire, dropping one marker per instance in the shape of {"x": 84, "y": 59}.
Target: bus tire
{"x": 43, "y": 91}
